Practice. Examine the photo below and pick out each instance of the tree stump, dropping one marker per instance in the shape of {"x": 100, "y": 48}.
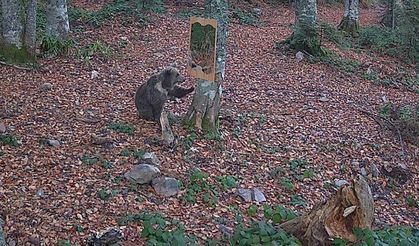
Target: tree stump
{"x": 351, "y": 207}
{"x": 166, "y": 130}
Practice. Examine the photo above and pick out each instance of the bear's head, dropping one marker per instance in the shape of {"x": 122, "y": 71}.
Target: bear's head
{"x": 169, "y": 77}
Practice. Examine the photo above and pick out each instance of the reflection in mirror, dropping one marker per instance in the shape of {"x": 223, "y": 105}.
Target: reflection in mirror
{"x": 202, "y": 53}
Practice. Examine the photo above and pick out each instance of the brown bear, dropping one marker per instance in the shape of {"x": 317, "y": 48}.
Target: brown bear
{"x": 151, "y": 96}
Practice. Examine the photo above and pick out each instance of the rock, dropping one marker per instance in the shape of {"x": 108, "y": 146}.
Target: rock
{"x": 94, "y": 74}
{"x": 299, "y": 55}
{"x": 150, "y": 158}
{"x": 158, "y": 54}
{"x": 363, "y": 171}
{"x": 355, "y": 164}
{"x": 53, "y": 142}
{"x": 166, "y": 186}
{"x": 323, "y": 99}
{"x": 258, "y": 195}
{"x": 257, "y": 11}
{"x": 246, "y": 194}
{"x": 109, "y": 237}
{"x": 341, "y": 182}
{"x": 40, "y": 193}
{"x": 374, "y": 170}
{"x": 249, "y": 195}
{"x": 46, "y": 87}
{"x": 142, "y": 173}
{"x": 2, "y": 128}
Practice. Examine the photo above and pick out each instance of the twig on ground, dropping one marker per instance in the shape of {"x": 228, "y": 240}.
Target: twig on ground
{"x": 15, "y": 66}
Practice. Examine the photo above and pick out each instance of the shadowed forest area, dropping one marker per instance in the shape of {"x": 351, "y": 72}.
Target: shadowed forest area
{"x": 309, "y": 134}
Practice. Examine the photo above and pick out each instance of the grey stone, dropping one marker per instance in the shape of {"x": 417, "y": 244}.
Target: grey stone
{"x": 363, "y": 171}
{"x": 142, "y": 173}
{"x": 46, "y": 87}
{"x": 2, "y": 128}
{"x": 110, "y": 236}
{"x": 150, "y": 158}
{"x": 249, "y": 195}
{"x": 246, "y": 194}
{"x": 258, "y": 195}
{"x": 94, "y": 74}
{"x": 40, "y": 193}
{"x": 257, "y": 11}
{"x": 53, "y": 142}
{"x": 341, "y": 182}
{"x": 374, "y": 170}
{"x": 299, "y": 55}
{"x": 166, "y": 186}
{"x": 323, "y": 99}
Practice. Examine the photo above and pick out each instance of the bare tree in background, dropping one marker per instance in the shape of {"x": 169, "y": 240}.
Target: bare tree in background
{"x": 30, "y": 32}
{"x": 350, "y": 20}
{"x": 57, "y": 19}
{"x": 11, "y": 23}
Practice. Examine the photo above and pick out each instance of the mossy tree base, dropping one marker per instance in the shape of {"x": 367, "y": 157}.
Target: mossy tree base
{"x": 309, "y": 43}
{"x": 349, "y": 25}
{"x": 12, "y": 54}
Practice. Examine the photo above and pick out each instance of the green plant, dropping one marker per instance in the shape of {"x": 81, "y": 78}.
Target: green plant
{"x": 252, "y": 210}
{"x": 158, "y": 230}
{"x": 95, "y": 49}
{"x": 412, "y": 201}
{"x": 278, "y": 214}
{"x": 260, "y": 233}
{"x": 122, "y": 128}
{"x": 298, "y": 200}
{"x": 90, "y": 159}
{"x": 287, "y": 183}
{"x": 107, "y": 164}
{"x": 388, "y": 236}
{"x": 187, "y": 13}
{"x": 64, "y": 242}
{"x": 308, "y": 174}
{"x": 297, "y": 163}
{"x": 189, "y": 140}
{"x": 104, "y": 194}
{"x": 8, "y": 139}
{"x": 54, "y": 46}
{"x": 227, "y": 182}
{"x": 335, "y": 36}
{"x": 200, "y": 185}
{"x": 245, "y": 18}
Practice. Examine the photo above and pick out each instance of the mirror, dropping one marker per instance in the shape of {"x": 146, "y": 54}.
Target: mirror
{"x": 202, "y": 48}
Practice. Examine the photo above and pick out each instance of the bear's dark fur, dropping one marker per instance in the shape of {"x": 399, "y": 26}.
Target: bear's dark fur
{"x": 151, "y": 96}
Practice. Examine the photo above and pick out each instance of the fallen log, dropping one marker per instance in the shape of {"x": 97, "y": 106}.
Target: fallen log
{"x": 351, "y": 207}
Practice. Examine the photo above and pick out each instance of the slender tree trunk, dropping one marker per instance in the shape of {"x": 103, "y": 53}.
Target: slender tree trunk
{"x": 351, "y": 207}
{"x": 305, "y": 36}
{"x": 30, "y": 32}
{"x": 57, "y": 19}
{"x": 12, "y": 25}
{"x": 350, "y": 20}
{"x": 2, "y": 236}
{"x": 205, "y": 107}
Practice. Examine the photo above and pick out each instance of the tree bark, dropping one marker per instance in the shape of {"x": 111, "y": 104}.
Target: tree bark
{"x": 12, "y": 25}
{"x": 204, "y": 110}
{"x": 166, "y": 130}
{"x": 2, "y": 236}
{"x": 351, "y": 207}
{"x": 57, "y": 19}
{"x": 350, "y": 20}
{"x": 30, "y": 32}
{"x": 305, "y": 36}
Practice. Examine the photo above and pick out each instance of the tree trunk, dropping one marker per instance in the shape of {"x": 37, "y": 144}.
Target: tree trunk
{"x": 2, "y": 236}
{"x": 12, "y": 25}
{"x": 57, "y": 19}
{"x": 350, "y": 20}
{"x": 351, "y": 207}
{"x": 204, "y": 110}
{"x": 166, "y": 130}
{"x": 30, "y": 32}
{"x": 305, "y": 36}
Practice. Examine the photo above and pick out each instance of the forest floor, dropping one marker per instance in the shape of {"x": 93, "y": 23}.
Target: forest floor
{"x": 275, "y": 109}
